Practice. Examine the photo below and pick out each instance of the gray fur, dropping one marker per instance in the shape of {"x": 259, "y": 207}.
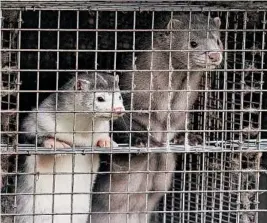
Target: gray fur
{"x": 138, "y": 182}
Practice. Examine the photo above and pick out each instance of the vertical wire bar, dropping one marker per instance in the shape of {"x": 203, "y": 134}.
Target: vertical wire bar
{"x": 56, "y": 107}
{"x": 224, "y": 116}
{"x": 218, "y": 105}
{"x": 242, "y": 106}
{"x": 250, "y": 121}
{"x": 206, "y": 83}
{"x": 243, "y": 73}
{"x": 209, "y": 105}
{"x": 132, "y": 95}
{"x": 95, "y": 67}
{"x": 167, "y": 154}
{"x": 233, "y": 115}
{"x": 114, "y": 65}
{"x": 181, "y": 188}
{"x": 202, "y": 187}
{"x": 111, "y": 155}
{"x": 188, "y": 88}
{"x": 133, "y": 76}
{"x": 186, "y": 113}
{"x": 55, "y": 120}
{"x": 17, "y": 106}
{"x": 173, "y": 203}
{"x": 37, "y": 109}
{"x": 95, "y": 84}
{"x": 129, "y": 157}
{"x": 233, "y": 196}
{"x": 189, "y": 187}
{"x": 262, "y": 67}
{"x": 224, "y": 125}
{"x": 94, "y": 90}
{"x": 199, "y": 178}
{"x": 9, "y": 76}
{"x": 75, "y": 123}
{"x": 205, "y": 99}
{"x": 260, "y": 107}
{"x": 209, "y": 179}
{"x": 222, "y": 182}
{"x": 170, "y": 95}
{"x": 95, "y": 81}
{"x": 1, "y": 84}
{"x": 151, "y": 86}
{"x": 114, "y": 73}
{"x": 170, "y": 71}
{"x": 75, "y": 113}
{"x": 213, "y": 187}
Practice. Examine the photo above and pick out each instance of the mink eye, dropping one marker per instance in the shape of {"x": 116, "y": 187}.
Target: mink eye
{"x": 218, "y": 42}
{"x": 100, "y": 99}
{"x": 120, "y": 98}
{"x": 193, "y": 44}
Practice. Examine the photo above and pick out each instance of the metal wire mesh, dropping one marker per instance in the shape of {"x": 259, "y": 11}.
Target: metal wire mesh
{"x": 214, "y": 182}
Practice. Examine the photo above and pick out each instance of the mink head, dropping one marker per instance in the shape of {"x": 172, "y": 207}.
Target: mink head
{"x": 197, "y": 39}
{"x": 99, "y": 94}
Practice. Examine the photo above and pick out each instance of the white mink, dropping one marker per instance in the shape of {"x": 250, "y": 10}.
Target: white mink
{"x": 97, "y": 107}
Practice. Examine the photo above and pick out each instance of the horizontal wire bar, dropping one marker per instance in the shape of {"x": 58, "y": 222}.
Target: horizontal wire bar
{"x": 145, "y": 91}
{"x": 250, "y": 110}
{"x": 155, "y": 30}
{"x": 140, "y": 131}
{"x": 219, "y": 146}
{"x": 145, "y": 192}
{"x": 127, "y": 50}
{"x": 146, "y": 212}
{"x": 75, "y": 5}
{"x": 123, "y": 71}
{"x": 126, "y": 172}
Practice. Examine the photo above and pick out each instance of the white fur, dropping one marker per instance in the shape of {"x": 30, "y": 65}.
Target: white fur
{"x": 83, "y": 183}
{"x": 41, "y": 164}
{"x": 63, "y": 184}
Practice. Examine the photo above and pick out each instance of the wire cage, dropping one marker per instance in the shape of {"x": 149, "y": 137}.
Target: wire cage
{"x": 43, "y": 44}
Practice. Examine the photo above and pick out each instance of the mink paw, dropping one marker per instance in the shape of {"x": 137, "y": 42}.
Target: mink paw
{"x": 140, "y": 142}
{"x": 52, "y": 143}
{"x": 193, "y": 139}
{"x": 104, "y": 143}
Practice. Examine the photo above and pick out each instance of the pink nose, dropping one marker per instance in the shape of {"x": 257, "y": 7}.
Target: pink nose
{"x": 214, "y": 56}
{"x": 118, "y": 110}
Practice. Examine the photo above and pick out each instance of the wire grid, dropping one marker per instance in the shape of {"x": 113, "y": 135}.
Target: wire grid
{"x": 207, "y": 186}
{"x": 9, "y": 102}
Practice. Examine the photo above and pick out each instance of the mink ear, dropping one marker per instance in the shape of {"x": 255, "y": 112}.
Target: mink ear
{"x": 217, "y": 22}
{"x": 174, "y": 24}
{"x": 82, "y": 85}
